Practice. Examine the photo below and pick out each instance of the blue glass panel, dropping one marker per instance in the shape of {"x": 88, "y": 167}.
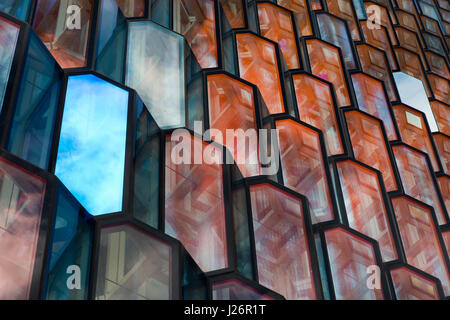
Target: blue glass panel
{"x": 91, "y": 154}
{"x": 111, "y": 41}
{"x": 9, "y": 33}
{"x": 334, "y": 30}
{"x": 32, "y": 125}
{"x": 70, "y": 245}
{"x": 146, "y": 166}
{"x": 155, "y": 69}
{"x": 18, "y": 8}
{"x": 360, "y": 10}
{"x": 161, "y": 12}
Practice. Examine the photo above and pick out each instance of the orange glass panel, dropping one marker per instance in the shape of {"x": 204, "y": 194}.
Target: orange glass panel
{"x": 414, "y": 132}
{"x": 442, "y": 115}
{"x": 282, "y": 251}
{"x": 408, "y": 21}
{"x": 379, "y": 38}
{"x": 350, "y": 256}
{"x": 315, "y": 107}
{"x": 373, "y": 62}
{"x": 443, "y": 147}
{"x": 410, "y": 63}
{"x": 444, "y": 186}
{"x": 326, "y": 63}
{"x": 430, "y": 25}
{"x": 301, "y": 14}
{"x": 196, "y": 20}
{"x": 132, "y": 8}
{"x": 21, "y": 202}
{"x": 316, "y": 5}
{"x": 372, "y": 99}
{"x": 384, "y": 20}
{"x": 369, "y": 146}
{"x": 446, "y": 238}
{"x": 408, "y": 40}
{"x": 364, "y": 205}
{"x": 194, "y": 201}
{"x": 68, "y": 47}
{"x": 440, "y": 87}
{"x": 344, "y": 10}
{"x": 234, "y": 11}
{"x": 417, "y": 179}
{"x": 410, "y": 285}
{"x": 276, "y": 24}
{"x": 231, "y": 107}
{"x": 420, "y": 239}
{"x": 437, "y": 64}
{"x": 304, "y": 168}
{"x": 258, "y": 65}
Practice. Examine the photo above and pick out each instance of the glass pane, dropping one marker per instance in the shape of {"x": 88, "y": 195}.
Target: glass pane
{"x": 112, "y": 37}
{"x": 33, "y": 121}
{"x": 234, "y": 289}
{"x": 18, "y": 8}
{"x": 9, "y": 32}
{"x": 69, "y": 46}
{"x": 91, "y": 154}
{"x": 132, "y": 8}
{"x": 410, "y": 285}
{"x": 133, "y": 265}
{"x": 157, "y": 53}
{"x": 21, "y": 202}
{"x": 70, "y": 245}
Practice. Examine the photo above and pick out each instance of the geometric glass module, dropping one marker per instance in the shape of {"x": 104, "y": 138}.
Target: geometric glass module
{"x": 235, "y": 289}
{"x": 9, "y": 33}
{"x": 21, "y": 202}
{"x": 91, "y": 153}
{"x": 365, "y": 208}
{"x": 133, "y": 265}
{"x": 282, "y": 250}
{"x": 304, "y": 168}
{"x": 194, "y": 202}
{"x": 410, "y": 285}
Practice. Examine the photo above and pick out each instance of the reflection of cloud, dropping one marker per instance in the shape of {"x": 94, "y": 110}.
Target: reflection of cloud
{"x": 413, "y": 94}
{"x": 155, "y": 71}
{"x": 91, "y": 155}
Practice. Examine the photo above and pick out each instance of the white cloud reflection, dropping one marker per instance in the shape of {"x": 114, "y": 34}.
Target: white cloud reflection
{"x": 91, "y": 155}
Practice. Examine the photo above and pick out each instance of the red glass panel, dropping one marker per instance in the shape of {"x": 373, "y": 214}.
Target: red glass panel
{"x": 420, "y": 239}
{"x": 437, "y": 64}
{"x": 258, "y": 65}
{"x": 374, "y": 63}
{"x": 364, "y": 205}
{"x": 414, "y": 131}
{"x": 276, "y": 24}
{"x": 443, "y": 147}
{"x": 234, "y": 11}
{"x": 315, "y": 107}
{"x": 196, "y": 20}
{"x": 282, "y": 252}
{"x": 21, "y": 202}
{"x": 440, "y": 87}
{"x": 343, "y": 9}
{"x": 304, "y": 168}
{"x": 371, "y": 99}
{"x": 417, "y": 179}
{"x": 234, "y": 289}
{"x": 68, "y": 46}
{"x": 407, "y": 20}
{"x": 350, "y": 256}
{"x": 384, "y": 20}
{"x": 326, "y": 64}
{"x": 369, "y": 146}
{"x": 409, "y": 40}
{"x": 446, "y": 237}
{"x": 442, "y": 115}
{"x": 410, "y": 63}
{"x": 231, "y": 107}
{"x": 316, "y": 5}
{"x": 132, "y": 8}
{"x": 410, "y": 285}
{"x": 301, "y": 14}
{"x": 194, "y": 203}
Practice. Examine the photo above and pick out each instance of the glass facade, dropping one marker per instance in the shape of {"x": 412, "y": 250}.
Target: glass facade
{"x": 135, "y": 138}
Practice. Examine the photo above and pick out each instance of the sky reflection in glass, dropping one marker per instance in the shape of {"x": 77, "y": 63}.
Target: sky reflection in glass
{"x": 413, "y": 94}
{"x": 91, "y": 154}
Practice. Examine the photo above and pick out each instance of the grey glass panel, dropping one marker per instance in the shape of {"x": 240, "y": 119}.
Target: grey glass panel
{"x": 91, "y": 154}
{"x": 413, "y": 94}
{"x": 155, "y": 69}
